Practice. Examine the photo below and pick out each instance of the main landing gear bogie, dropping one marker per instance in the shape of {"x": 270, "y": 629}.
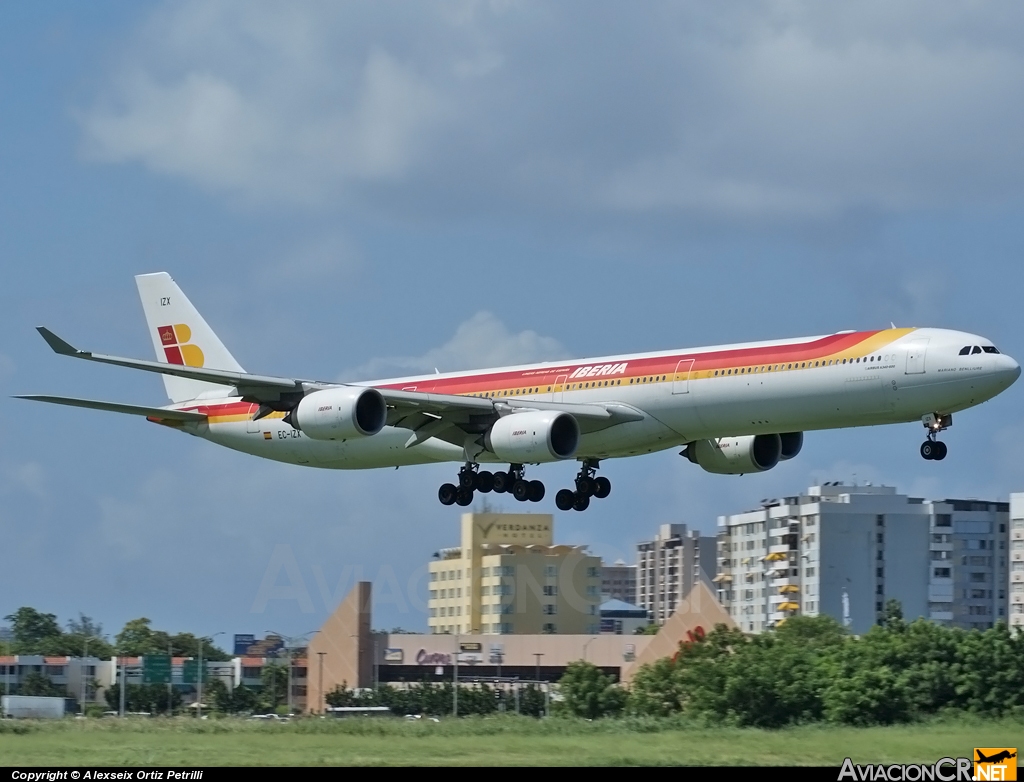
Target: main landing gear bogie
{"x": 933, "y": 449}
{"x": 472, "y": 480}
{"x": 587, "y": 485}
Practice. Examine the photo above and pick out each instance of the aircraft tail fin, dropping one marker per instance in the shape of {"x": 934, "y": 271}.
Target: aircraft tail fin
{"x": 181, "y": 336}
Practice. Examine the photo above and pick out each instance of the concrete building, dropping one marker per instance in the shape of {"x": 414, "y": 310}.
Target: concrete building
{"x": 618, "y": 582}
{"x": 66, "y": 673}
{"x": 669, "y": 566}
{"x": 345, "y": 651}
{"x": 1015, "y": 581}
{"x": 844, "y": 550}
{"x": 621, "y": 618}
{"x": 509, "y": 578}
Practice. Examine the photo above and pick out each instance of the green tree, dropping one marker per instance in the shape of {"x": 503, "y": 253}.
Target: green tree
{"x": 589, "y": 693}
{"x": 137, "y": 638}
{"x": 31, "y": 628}
{"x": 651, "y": 629}
{"x": 274, "y": 682}
{"x": 85, "y": 626}
{"x": 38, "y": 684}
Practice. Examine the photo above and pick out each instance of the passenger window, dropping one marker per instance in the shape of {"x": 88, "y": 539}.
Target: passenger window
{"x": 975, "y": 349}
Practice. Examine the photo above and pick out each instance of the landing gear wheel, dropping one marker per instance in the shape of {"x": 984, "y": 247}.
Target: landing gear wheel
{"x": 929, "y": 449}
{"x": 467, "y": 479}
{"x": 464, "y": 497}
{"x": 581, "y": 502}
{"x": 564, "y": 499}
{"x": 484, "y": 481}
{"x": 447, "y": 494}
{"x": 521, "y": 490}
{"x": 602, "y": 487}
{"x": 502, "y": 482}
{"x": 584, "y": 486}
{"x": 536, "y": 491}
{"x": 940, "y": 451}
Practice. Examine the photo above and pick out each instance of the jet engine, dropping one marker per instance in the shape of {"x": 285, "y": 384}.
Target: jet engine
{"x": 737, "y": 455}
{"x": 340, "y": 413}
{"x": 533, "y": 437}
{"x": 792, "y": 442}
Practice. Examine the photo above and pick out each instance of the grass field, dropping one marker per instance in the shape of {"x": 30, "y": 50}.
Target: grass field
{"x": 483, "y": 741}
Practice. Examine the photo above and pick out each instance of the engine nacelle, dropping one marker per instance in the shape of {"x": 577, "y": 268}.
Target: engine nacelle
{"x": 792, "y": 443}
{"x": 736, "y": 455}
{"x": 340, "y": 413}
{"x": 534, "y": 437}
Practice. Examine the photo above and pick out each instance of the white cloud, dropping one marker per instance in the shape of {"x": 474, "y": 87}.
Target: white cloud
{"x": 777, "y": 110}
{"x": 481, "y": 341}
{"x": 28, "y": 477}
{"x": 257, "y": 99}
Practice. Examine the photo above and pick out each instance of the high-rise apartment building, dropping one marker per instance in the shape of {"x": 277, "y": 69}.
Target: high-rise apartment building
{"x": 508, "y": 577}
{"x": 845, "y": 550}
{"x": 669, "y": 566}
{"x": 618, "y": 582}
{"x": 1015, "y": 582}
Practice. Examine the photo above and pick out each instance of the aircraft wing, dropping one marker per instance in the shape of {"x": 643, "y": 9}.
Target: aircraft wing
{"x": 155, "y": 413}
{"x": 258, "y": 388}
{"x": 448, "y": 416}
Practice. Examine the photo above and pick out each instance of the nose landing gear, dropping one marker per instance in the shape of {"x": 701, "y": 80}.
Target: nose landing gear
{"x": 587, "y": 485}
{"x": 932, "y": 449}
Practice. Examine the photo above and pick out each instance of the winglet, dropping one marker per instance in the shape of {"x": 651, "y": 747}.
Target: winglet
{"x": 55, "y": 342}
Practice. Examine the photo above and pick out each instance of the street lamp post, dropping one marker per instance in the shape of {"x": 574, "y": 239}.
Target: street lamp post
{"x": 321, "y": 685}
{"x": 588, "y": 643}
{"x": 538, "y": 655}
{"x": 199, "y": 674}
{"x": 82, "y": 669}
{"x": 455, "y": 679}
{"x": 124, "y": 684}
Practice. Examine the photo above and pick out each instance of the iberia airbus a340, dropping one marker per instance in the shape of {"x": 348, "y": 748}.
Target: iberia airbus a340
{"x": 734, "y": 408}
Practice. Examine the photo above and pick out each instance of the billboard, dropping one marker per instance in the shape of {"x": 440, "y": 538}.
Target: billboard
{"x": 249, "y": 646}
{"x": 190, "y": 670}
{"x": 156, "y": 669}
{"x": 242, "y": 644}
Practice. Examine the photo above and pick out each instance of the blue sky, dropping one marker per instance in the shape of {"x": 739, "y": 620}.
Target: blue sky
{"x": 382, "y": 187}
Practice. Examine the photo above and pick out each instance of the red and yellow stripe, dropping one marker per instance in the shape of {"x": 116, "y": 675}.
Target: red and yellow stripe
{"x": 798, "y": 356}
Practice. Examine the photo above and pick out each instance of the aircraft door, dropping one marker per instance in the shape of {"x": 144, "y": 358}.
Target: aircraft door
{"x": 252, "y": 427}
{"x": 558, "y": 388}
{"x": 916, "y": 352}
{"x": 681, "y": 379}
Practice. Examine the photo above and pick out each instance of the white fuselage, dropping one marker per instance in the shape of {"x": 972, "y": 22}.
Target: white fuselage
{"x": 840, "y": 380}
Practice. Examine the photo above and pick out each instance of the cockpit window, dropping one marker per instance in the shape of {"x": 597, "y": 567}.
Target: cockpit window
{"x": 976, "y": 350}
{"x": 989, "y": 348}
{"x": 965, "y": 351}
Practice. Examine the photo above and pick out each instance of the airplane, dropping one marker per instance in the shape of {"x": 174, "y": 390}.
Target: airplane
{"x": 734, "y": 409}
{"x": 996, "y": 758}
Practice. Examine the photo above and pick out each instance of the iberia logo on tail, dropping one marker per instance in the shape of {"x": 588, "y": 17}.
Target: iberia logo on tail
{"x": 175, "y": 340}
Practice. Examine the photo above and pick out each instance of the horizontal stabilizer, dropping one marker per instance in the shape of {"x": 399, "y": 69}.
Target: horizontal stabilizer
{"x": 113, "y": 407}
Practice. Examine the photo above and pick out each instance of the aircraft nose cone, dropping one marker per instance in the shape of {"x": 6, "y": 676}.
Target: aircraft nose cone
{"x": 1010, "y": 370}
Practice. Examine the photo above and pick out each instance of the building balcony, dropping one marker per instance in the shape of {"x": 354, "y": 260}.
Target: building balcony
{"x": 780, "y": 548}
{"x": 940, "y": 546}
{"x": 941, "y": 616}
